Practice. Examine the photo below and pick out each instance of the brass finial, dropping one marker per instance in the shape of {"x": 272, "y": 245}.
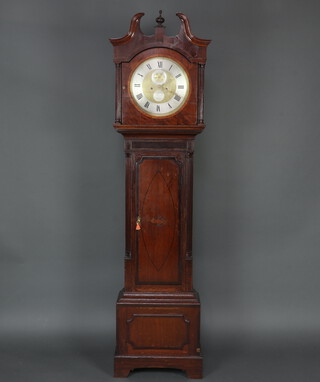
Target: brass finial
{"x": 160, "y": 19}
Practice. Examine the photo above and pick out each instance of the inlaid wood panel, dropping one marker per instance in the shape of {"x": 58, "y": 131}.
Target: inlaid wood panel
{"x": 158, "y": 205}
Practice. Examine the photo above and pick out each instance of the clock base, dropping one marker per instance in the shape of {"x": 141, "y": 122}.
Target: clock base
{"x": 192, "y": 365}
{"x": 158, "y": 330}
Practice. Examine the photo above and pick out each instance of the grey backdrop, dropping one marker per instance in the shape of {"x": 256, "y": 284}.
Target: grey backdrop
{"x": 256, "y": 189}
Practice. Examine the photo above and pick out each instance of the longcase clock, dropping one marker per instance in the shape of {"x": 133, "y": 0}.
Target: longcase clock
{"x": 159, "y": 111}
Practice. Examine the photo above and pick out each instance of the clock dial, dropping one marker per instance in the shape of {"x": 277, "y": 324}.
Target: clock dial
{"x": 159, "y": 86}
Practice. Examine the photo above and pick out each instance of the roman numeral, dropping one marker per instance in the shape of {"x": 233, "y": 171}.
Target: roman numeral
{"x": 177, "y": 98}
{"x": 169, "y": 105}
{"x": 149, "y": 66}
{"x": 180, "y": 86}
{"x": 137, "y": 85}
{"x": 158, "y": 108}
{"x": 147, "y": 104}
{"x": 170, "y": 67}
{"x": 141, "y": 75}
{"x": 139, "y": 96}
{"x": 178, "y": 75}
{"x": 160, "y": 63}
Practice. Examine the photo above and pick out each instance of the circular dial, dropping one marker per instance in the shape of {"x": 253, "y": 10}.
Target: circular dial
{"x": 159, "y": 86}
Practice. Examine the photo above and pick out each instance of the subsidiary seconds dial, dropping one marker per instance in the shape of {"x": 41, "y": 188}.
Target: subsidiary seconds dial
{"x": 159, "y": 86}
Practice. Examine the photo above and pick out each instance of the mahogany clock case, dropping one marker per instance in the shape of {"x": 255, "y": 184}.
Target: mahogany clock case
{"x": 158, "y": 311}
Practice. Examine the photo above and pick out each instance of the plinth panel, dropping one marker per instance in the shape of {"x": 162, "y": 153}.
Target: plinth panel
{"x": 159, "y": 330}
{"x": 165, "y": 326}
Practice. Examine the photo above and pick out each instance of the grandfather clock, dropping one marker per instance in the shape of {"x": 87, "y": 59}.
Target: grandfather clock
{"x": 159, "y": 111}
